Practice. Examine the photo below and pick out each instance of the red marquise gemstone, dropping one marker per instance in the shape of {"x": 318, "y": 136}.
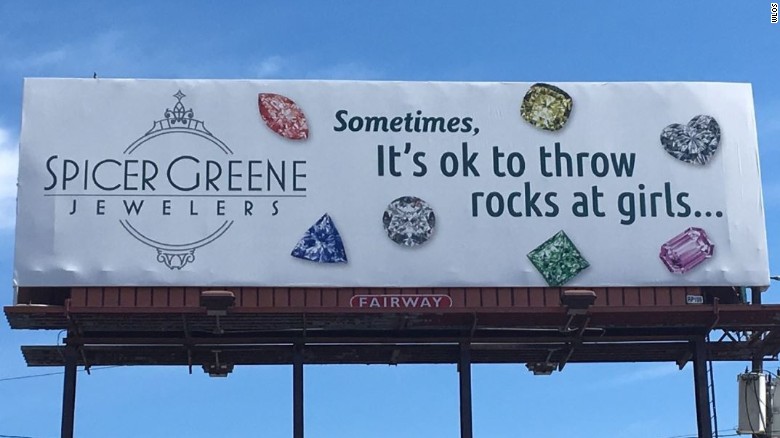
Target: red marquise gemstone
{"x": 283, "y": 116}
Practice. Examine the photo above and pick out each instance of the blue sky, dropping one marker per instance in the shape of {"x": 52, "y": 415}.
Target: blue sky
{"x": 549, "y": 41}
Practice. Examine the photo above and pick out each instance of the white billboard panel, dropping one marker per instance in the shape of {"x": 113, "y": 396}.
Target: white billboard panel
{"x": 329, "y": 183}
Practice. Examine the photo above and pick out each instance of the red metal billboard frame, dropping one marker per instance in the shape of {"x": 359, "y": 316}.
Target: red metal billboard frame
{"x": 545, "y": 328}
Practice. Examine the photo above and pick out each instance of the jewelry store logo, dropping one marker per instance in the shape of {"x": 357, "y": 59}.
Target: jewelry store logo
{"x": 179, "y": 120}
{"x": 177, "y": 187}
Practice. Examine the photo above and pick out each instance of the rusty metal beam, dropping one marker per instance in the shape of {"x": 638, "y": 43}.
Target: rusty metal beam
{"x": 298, "y": 391}
{"x": 70, "y": 357}
{"x": 464, "y": 379}
{"x": 703, "y": 415}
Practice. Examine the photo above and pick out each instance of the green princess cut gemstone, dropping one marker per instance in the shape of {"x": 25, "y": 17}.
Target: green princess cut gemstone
{"x": 546, "y": 106}
{"x": 558, "y": 260}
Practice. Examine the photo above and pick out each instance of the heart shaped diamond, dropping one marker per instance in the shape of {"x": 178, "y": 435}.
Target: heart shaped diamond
{"x": 693, "y": 143}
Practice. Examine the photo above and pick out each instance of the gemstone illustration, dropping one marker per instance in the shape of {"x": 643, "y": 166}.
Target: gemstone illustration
{"x": 694, "y": 143}
{"x": 686, "y": 250}
{"x": 558, "y": 260}
{"x": 283, "y": 116}
{"x": 321, "y": 243}
{"x": 546, "y": 106}
{"x": 409, "y": 221}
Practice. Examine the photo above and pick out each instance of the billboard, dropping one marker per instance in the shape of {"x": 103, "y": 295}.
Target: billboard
{"x": 388, "y": 184}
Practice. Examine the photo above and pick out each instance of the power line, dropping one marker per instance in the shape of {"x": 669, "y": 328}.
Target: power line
{"x": 695, "y": 435}
{"x": 56, "y": 373}
{"x": 16, "y": 436}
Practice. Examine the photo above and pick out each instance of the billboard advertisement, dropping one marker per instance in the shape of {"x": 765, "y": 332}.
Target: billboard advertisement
{"x": 388, "y": 184}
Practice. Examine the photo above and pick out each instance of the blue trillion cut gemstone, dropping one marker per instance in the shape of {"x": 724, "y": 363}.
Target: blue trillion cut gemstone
{"x": 321, "y": 243}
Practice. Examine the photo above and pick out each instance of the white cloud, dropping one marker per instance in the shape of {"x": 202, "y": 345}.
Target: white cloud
{"x": 641, "y": 374}
{"x": 295, "y": 67}
{"x": 9, "y": 165}
{"x": 270, "y": 67}
{"x": 108, "y": 53}
{"x": 40, "y": 60}
{"x": 345, "y": 70}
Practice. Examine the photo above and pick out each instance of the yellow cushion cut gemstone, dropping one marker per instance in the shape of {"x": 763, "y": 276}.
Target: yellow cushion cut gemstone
{"x": 546, "y": 106}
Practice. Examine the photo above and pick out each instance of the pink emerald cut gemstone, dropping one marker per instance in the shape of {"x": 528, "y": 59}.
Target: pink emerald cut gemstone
{"x": 686, "y": 250}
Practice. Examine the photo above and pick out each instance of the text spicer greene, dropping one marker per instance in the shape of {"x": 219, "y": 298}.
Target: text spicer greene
{"x": 184, "y": 173}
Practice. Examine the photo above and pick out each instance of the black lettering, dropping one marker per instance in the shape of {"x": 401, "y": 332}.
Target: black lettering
{"x": 380, "y": 160}
{"x": 496, "y": 156}
{"x": 681, "y": 202}
{"x": 510, "y": 204}
{"x": 499, "y": 210}
{"x": 170, "y": 172}
{"x": 543, "y": 156}
{"x": 210, "y": 177}
{"x": 395, "y": 124}
{"x": 452, "y": 169}
{"x": 580, "y": 207}
{"x": 72, "y": 176}
{"x": 594, "y": 164}
{"x": 51, "y": 172}
{"x": 375, "y": 123}
{"x": 468, "y": 160}
{"x": 297, "y": 175}
{"x": 549, "y": 199}
{"x": 466, "y": 122}
{"x": 355, "y": 124}
{"x": 232, "y": 175}
{"x": 624, "y": 165}
{"x": 518, "y": 168}
{"x": 422, "y": 168}
{"x": 252, "y": 175}
{"x": 452, "y": 124}
{"x": 280, "y": 179}
{"x": 433, "y": 124}
{"x": 626, "y": 208}
{"x": 95, "y": 178}
{"x": 146, "y": 179}
{"x": 340, "y": 118}
{"x": 531, "y": 200}
{"x": 475, "y": 203}
{"x": 133, "y": 206}
{"x": 128, "y": 174}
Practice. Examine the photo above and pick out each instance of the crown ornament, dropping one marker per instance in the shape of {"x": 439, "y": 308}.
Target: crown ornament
{"x": 179, "y": 114}
{"x": 179, "y": 120}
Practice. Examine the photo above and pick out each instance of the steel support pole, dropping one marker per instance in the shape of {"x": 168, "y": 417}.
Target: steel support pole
{"x": 69, "y": 392}
{"x": 757, "y": 364}
{"x": 758, "y": 356}
{"x": 464, "y": 372}
{"x": 703, "y": 414}
{"x": 298, "y": 391}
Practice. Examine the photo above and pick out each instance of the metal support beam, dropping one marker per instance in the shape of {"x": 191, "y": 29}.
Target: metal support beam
{"x": 464, "y": 371}
{"x": 69, "y": 392}
{"x": 703, "y": 415}
{"x": 298, "y": 391}
{"x": 757, "y": 364}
